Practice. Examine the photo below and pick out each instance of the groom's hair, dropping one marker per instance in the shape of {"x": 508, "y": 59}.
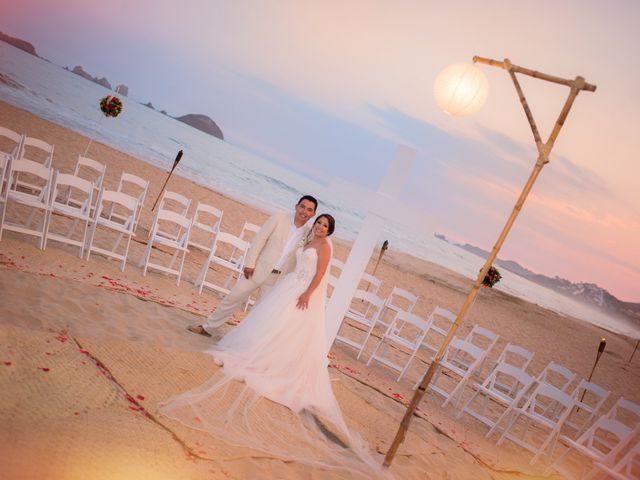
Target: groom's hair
{"x": 330, "y": 220}
{"x": 310, "y": 199}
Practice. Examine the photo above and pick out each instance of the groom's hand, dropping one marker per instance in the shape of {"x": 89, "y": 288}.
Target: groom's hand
{"x": 248, "y": 272}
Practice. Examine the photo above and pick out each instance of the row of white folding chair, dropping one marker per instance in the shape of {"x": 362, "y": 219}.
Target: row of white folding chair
{"x": 134, "y": 186}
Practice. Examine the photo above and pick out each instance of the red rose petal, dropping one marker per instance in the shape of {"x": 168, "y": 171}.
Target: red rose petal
{"x": 140, "y": 397}
{"x": 7, "y": 364}
{"x": 44, "y": 369}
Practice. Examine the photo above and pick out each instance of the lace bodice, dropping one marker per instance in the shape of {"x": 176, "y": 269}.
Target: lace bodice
{"x": 306, "y": 264}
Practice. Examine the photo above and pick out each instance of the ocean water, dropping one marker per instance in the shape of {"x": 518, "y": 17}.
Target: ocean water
{"x": 64, "y": 98}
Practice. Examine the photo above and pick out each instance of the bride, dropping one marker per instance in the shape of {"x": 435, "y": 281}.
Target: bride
{"x": 273, "y": 392}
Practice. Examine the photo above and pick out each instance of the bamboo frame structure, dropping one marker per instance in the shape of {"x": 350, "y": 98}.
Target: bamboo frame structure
{"x": 544, "y": 149}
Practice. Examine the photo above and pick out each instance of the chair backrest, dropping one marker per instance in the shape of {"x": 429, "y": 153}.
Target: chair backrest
{"x": 539, "y": 401}
{"x": 127, "y": 202}
{"x": 556, "y": 375}
{"x": 247, "y": 229}
{"x": 71, "y": 182}
{"x": 600, "y": 436}
{"x": 482, "y": 337}
{"x": 589, "y": 395}
{"x": 38, "y": 172}
{"x": 99, "y": 170}
{"x": 470, "y": 354}
{"x": 441, "y": 320}
{"x": 337, "y": 263}
{"x": 372, "y": 281}
{"x": 625, "y": 411}
{"x": 400, "y": 299}
{"x": 518, "y": 380}
{"x": 516, "y": 356}
{"x": 179, "y": 220}
{"x": 408, "y": 326}
{"x": 37, "y": 150}
{"x": 236, "y": 250}
{"x": 14, "y": 145}
{"x": 368, "y": 308}
{"x": 175, "y": 201}
{"x": 128, "y": 180}
{"x": 202, "y": 217}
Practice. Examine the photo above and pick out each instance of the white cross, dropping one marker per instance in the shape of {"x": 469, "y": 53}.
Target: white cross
{"x": 379, "y": 205}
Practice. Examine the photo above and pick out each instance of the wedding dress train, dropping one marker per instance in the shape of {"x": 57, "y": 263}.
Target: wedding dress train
{"x": 273, "y": 392}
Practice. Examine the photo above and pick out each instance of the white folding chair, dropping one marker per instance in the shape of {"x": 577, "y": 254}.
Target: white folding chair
{"x": 10, "y": 143}
{"x": 491, "y": 389}
{"x": 440, "y": 322}
{"x": 206, "y": 219}
{"x": 365, "y": 309}
{"x": 136, "y": 187}
{"x": 468, "y": 358}
{"x": 178, "y": 203}
{"x": 79, "y": 211}
{"x": 627, "y": 468}
{"x": 123, "y": 225}
{"x": 37, "y": 151}
{"x": 397, "y": 301}
{"x": 179, "y": 245}
{"x": 483, "y": 338}
{"x": 625, "y": 411}
{"x": 247, "y": 233}
{"x": 220, "y": 255}
{"x": 589, "y": 399}
{"x": 598, "y": 443}
{"x": 516, "y": 356}
{"x": 405, "y": 331}
{"x": 556, "y": 375}
{"x": 535, "y": 411}
{"x": 36, "y": 198}
{"x": 91, "y": 170}
{"x": 371, "y": 283}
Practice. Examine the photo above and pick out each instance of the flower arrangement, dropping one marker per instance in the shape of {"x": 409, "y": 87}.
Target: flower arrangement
{"x": 111, "y": 106}
{"x": 492, "y": 277}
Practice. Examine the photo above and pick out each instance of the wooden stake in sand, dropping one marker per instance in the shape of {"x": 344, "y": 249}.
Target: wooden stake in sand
{"x": 383, "y": 249}
{"x": 634, "y": 352}
{"x": 175, "y": 164}
{"x": 544, "y": 149}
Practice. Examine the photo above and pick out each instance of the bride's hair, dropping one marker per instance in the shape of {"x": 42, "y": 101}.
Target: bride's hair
{"x": 330, "y": 219}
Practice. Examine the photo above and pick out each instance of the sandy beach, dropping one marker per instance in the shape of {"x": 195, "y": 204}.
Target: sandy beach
{"x": 88, "y": 351}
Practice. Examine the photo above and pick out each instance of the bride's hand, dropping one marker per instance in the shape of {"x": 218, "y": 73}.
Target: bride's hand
{"x": 303, "y": 301}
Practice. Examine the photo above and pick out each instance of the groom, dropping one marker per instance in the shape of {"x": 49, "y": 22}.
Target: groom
{"x": 271, "y": 254}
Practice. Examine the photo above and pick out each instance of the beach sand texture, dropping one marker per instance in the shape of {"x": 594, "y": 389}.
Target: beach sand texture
{"x": 88, "y": 351}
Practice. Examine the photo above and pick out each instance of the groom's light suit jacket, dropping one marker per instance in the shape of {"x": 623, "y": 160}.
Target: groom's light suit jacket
{"x": 269, "y": 243}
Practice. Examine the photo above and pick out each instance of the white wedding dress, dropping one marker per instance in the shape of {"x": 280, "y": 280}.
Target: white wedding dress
{"x": 274, "y": 393}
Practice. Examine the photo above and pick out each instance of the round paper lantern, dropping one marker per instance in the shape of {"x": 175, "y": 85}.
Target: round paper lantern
{"x": 461, "y": 89}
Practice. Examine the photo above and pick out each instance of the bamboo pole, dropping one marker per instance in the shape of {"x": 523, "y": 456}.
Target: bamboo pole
{"x": 175, "y": 164}
{"x": 634, "y": 352}
{"x": 544, "y": 150}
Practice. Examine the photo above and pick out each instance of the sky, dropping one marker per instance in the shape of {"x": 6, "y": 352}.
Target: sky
{"x": 330, "y": 88}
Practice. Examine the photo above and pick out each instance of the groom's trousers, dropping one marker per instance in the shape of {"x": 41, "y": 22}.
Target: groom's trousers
{"x": 236, "y": 298}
